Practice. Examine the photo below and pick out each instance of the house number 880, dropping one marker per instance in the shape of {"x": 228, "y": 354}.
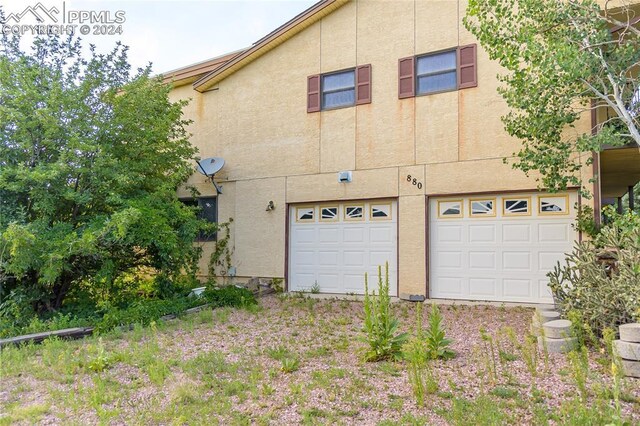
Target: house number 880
{"x": 414, "y": 181}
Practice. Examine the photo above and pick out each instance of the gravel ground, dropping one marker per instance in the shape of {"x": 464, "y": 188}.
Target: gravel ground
{"x": 330, "y": 385}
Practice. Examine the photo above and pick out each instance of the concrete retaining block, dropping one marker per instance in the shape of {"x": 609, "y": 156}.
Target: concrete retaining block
{"x": 558, "y": 329}
{"x": 630, "y": 332}
{"x": 548, "y": 307}
{"x": 627, "y": 350}
{"x": 546, "y": 316}
{"x": 557, "y": 346}
{"x": 631, "y": 368}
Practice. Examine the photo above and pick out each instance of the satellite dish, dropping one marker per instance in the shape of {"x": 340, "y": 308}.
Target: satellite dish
{"x": 209, "y": 167}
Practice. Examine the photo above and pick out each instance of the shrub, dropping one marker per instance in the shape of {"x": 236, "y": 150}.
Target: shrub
{"x": 379, "y": 325}
{"x": 229, "y": 296}
{"x": 601, "y": 278}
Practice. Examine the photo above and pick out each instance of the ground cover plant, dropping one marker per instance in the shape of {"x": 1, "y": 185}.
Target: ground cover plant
{"x": 297, "y": 360}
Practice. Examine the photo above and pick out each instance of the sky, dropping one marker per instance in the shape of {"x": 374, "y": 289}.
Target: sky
{"x": 171, "y": 33}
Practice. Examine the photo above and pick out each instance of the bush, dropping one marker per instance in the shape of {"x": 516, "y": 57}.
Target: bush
{"x": 601, "y": 278}
{"x": 380, "y": 327}
{"x": 229, "y": 296}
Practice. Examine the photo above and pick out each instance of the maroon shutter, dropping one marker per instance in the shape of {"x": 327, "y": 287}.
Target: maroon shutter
{"x": 467, "y": 68}
{"x": 363, "y": 84}
{"x": 406, "y": 77}
{"x": 313, "y": 93}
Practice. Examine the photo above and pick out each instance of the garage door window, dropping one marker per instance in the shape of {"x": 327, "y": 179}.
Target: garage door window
{"x": 516, "y": 206}
{"x": 329, "y": 214}
{"x": 553, "y": 204}
{"x": 354, "y": 212}
{"x": 380, "y": 211}
{"x": 305, "y": 214}
{"x": 450, "y": 209}
{"x": 482, "y": 207}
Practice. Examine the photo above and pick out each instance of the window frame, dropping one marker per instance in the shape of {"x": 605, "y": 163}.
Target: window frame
{"x": 322, "y": 91}
{"x": 507, "y": 213}
{"x": 456, "y": 69}
{"x": 466, "y": 71}
{"x": 565, "y": 197}
{"x": 198, "y": 202}
{"x": 479, "y": 200}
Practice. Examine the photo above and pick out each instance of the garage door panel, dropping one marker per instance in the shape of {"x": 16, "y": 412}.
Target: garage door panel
{"x": 544, "y": 291}
{"x": 516, "y": 260}
{"x": 450, "y": 259}
{"x": 449, "y": 233}
{"x": 482, "y": 260}
{"x": 328, "y": 258}
{"x": 305, "y": 258}
{"x": 328, "y": 235}
{"x": 304, "y": 280}
{"x": 552, "y": 232}
{"x": 336, "y": 254}
{"x": 328, "y": 281}
{"x": 354, "y": 258}
{"x": 485, "y": 287}
{"x": 482, "y": 233}
{"x": 516, "y": 233}
{"x": 354, "y": 283}
{"x": 380, "y": 234}
{"x": 548, "y": 260}
{"x": 517, "y": 288}
{"x": 381, "y": 257}
{"x": 450, "y": 286}
{"x": 503, "y": 258}
{"x": 302, "y": 236}
{"x": 354, "y": 234}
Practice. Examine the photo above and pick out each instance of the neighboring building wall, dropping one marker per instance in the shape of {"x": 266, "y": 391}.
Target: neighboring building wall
{"x": 257, "y": 120}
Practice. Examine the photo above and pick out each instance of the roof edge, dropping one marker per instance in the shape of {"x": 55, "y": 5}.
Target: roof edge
{"x": 189, "y": 73}
{"x": 269, "y": 42}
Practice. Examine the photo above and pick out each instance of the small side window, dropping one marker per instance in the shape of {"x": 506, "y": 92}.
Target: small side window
{"x": 208, "y": 210}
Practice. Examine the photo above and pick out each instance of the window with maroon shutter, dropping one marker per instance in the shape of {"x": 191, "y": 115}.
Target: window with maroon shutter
{"x": 339, "y": 89}
{"x": 467, "y": 68}
{"x": 438, "y": 72}
{"x": 313, "y": 93}
{"x": 406, "y": 77}
{"x": 363, "y": 84}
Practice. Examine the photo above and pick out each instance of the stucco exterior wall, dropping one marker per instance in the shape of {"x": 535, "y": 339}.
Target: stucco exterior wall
{"x": 257, "y": 120}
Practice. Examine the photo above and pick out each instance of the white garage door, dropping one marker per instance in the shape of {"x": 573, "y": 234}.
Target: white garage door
{"x": 334, "y": 244}
{"x": 498, "y": 247}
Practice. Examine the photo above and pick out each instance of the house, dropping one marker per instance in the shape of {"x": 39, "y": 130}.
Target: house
{"x": 365, "y": 132}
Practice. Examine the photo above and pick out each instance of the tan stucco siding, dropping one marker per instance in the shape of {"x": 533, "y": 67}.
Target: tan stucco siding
{"x": 257, "y": 120}
{"x": 412, "y": 247}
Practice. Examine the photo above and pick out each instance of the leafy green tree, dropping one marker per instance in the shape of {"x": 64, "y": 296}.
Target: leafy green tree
{"x": 560, "y": 59}
{"x": 91, "y": 155}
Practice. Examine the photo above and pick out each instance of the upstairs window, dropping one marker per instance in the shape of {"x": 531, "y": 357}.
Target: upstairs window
{"x": 339, "y": 89}
{"x": 436, "y": 73}
{"x": 445, "y": 71}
